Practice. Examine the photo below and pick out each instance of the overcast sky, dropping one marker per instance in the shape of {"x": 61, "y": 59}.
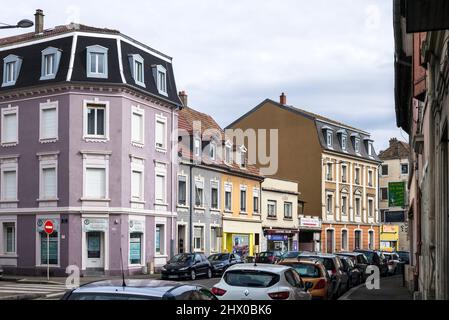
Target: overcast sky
{"x": 334, "y": 58}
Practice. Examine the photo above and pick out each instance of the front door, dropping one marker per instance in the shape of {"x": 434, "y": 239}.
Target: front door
{"x": 95, "y": 250}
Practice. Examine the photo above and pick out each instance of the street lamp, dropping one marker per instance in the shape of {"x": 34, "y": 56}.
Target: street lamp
{"x": 24, "y": 23}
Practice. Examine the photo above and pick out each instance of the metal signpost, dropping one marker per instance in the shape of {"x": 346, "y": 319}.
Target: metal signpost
{"x": 48, "y": 228}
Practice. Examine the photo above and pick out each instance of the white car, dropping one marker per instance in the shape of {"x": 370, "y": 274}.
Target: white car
{"x": 261, "y": 282}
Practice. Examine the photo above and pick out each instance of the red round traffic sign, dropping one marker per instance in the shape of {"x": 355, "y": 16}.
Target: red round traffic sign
{"x": 49, "y": 227}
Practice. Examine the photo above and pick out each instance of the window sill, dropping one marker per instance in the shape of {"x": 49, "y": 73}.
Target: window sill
{"x": 47, "y": 77}
{"x": 161, "y": 150}
{"x": 9, "y": 256}
{"x": 182, "y": 206}
{"x": 215, "y": 210}
{"x": 47, "y": 200}
{"x": 95, "y": 139}
{"x": 272, "y": 218}
{"x": 138, "y": 201}
{"x": 95, "y": 199}
{"x": 135, "y": 266}
{"x": 97, "y": 75}
{"x": 244, "y": 213}
{"x": 199, "y": 208}
{"x": 288, "y": 219}
{"x": 9, "y": 201}
{"x": 137, "y": 144}
{"x": 228, "y": 211}
{"x": 48, "y": 140}
{"x": 160, "y": 256}
{"x": 9, "y": 144}
{"x": 45, "y": 266}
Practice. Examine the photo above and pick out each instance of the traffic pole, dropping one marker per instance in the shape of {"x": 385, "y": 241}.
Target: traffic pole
{"x": 48, "y": 257}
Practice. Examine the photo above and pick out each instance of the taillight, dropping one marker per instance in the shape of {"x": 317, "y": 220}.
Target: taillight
{"x": 333, "y": 271}
{"x": 218, "y": 292}
{"x": 320, "y": 284}
{"x": 283, "y": 295}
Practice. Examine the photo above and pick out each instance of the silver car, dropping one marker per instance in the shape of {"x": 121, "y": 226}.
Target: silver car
{"x": 261, "y": 282}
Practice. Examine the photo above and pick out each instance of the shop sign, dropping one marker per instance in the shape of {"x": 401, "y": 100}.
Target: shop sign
{"x": 277, "y": 237}
{"x": 136, "y": 226}
{"x": 389, "y": 229}
{"x": 41, "y": 222}
{"x": 309, "y": 222}
{"x": 95, "y": 224}
{"x": 396, "y": 194}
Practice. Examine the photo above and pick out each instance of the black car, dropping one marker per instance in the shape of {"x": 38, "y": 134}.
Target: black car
{"x": 187, "y": 265}
{"x": 269, "y": 257}
{"x": 360, "y": 261}
{"x": 354, "y": 274}
{"x": 221, "y": 261}
{"x": 405, "y": 256}
{"x": 139, "y": 289}
{"x": 375, "y": 259}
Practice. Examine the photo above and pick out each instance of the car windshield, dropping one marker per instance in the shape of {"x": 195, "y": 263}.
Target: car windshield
{"x": 266, "y": 254}
{"x": 184, "y": 257}
{"x": 251, "y": 278}
{"x": 307, "y": 270}
{"x": 219, "y": 257}
{"x": 290, "y": 254}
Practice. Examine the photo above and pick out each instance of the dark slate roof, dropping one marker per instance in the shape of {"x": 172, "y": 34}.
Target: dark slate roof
{"x": 396, "y": 150}
{"x": 31, "y": 54}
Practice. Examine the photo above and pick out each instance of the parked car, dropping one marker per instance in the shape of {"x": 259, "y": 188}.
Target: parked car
{"x": 355, "y": 276}
{"x": 312, "y": 271}
{"x": 360, "y": 261}
{"x": 261, "y": 282}
{"x": 405, "y": 256}
{"x": 290, "y": 255}
{"x": 375, "y": 259}
{"x": 269, "y": 257}
{"x": 333, "y": 266}
{"x": 221, "y": 261}
{"x": 187, "y": 265}
{"x": 393, "y": 262}
{"x": 139, "y": 289}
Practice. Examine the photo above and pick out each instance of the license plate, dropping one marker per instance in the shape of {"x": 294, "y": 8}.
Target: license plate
{"x": 173, "y": 277}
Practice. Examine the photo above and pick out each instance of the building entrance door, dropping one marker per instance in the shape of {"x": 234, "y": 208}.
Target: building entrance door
{"x": 95, "y": 250}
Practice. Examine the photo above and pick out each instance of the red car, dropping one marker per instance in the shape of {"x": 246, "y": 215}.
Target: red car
{"x": 269, "y": 257}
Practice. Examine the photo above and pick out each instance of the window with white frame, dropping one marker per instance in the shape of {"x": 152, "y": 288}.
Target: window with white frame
{"x": 198, "y": 238}
{"x": 11, "y": 70}
{"x": 137, "y": 125}
{"x": 329, "y": 139}
{"x": 271, "y": 208}
{"x": 357, "y": 145}
{"x": 214, "y": 195}
{"x": 228, "y": 197}
{"x": 358, "y": 206}
{"x": 214, "y": 244}
{"x": 10, "y": 126}
{"x": 135, "y": 248}
{"x": 243, "y": 199}
{"x": 329, "y": 203}
{"x": 228, "y": 152}
{"x": 212, "y": 150}
{"x": 182, "y": 190}
{"x": 161, "y": 132}
{"x": 344, "y": 173}
{"x": 197, "y": 147}
{"x": 160, "y": 75}
{"x": 256, "y": 196}
{"x": 370, "y": 178}
{"x": 329, "y": 171}
{"x": 344, "y": 142}
{"x": 48, "y": 128}
{"x": 357, "y": 176}
{"x": 97, "y": 62}
{"x": 50, "y": 63}
{"x": 160, "y": 190}
{"x": 8, "y": 177}
{"x": 344, "y": 240}
{"x": 370, "y": 148}
{"x": 136, "y": 63}
{"x": 371, "y": 239}
{"x": 96, "y": 118}
{"x": 344, "y": 205}
{"x": 199, "y": 193}
{"x": 160, "y": 239}
{"x": 137, "y": 185}
{"x": 9, "y": 237}
{"x": 370, "y": 207}
{"x": 48, "y": 178}
{"x": 288, "y": 208}
{"x": 96, "y": 176}
{"x": 242, "y": 160}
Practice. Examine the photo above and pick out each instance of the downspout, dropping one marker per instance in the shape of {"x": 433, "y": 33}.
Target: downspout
{"x": 173, "y": 180}
{"x": 192, "y": 187}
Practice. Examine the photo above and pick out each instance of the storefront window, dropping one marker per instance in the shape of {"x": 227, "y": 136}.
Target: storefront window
{"x": 53, "y": 248}
{"x": 160, "y": 240}
{"x": 9, "y": 231}
{"x": 240, "y": 245}
{"x": 135, "y": 248}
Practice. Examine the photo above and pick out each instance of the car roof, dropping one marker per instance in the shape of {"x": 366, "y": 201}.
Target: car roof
{"x": 145, "y": 287}
{"x": 303, "y": 261}
{"x": 274, "y": 268}
{"x": 319, "y": 254}
{"x": 349, "y": 253}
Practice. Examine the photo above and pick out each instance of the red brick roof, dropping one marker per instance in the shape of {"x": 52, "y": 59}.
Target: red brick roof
{"x": 30, "y": 36}
{"x": 396, "y": 150}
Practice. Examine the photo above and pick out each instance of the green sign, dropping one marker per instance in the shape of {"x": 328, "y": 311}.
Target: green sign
{"x": 396, "y": 194}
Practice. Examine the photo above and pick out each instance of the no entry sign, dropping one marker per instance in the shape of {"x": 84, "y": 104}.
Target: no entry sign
{"x": 49, "y": 227}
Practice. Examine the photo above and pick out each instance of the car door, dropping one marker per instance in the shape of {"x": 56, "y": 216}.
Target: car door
{"x": 300, "y": 287}
{"x": 198, "y": 264}
{"x": 205, "y": 264}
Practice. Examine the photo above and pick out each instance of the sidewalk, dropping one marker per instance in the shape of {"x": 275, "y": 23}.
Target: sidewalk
{"x": 390, "y": 289}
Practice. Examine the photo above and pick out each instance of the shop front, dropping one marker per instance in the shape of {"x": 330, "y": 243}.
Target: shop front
{"x": 241, "y": 237}
{"x": 389, "y": 238}
{"x": 95, "y": 243}
{"x": 280, "y": 240}
{"x": 309, "y": 238}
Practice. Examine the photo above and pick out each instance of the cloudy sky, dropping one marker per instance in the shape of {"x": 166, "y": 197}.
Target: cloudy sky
{"x": 334, "y": 58}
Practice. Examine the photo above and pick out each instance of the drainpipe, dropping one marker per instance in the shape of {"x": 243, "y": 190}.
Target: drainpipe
{"x": 192, "y": 187}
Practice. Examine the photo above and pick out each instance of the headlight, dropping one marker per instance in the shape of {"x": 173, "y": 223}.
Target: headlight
{"x": 184, "y": 269}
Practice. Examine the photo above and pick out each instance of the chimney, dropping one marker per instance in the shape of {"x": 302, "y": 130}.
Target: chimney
{"x": 393, "y": 141}
{"x": 39, "y": 21}
{"x": 183, "y": 97}
{"x": 283, "y": 99}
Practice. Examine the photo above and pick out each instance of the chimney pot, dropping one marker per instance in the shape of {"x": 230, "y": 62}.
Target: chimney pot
{"x": 283, "y": 99}
{"x": 392, "y": 141}
{"x": 39, "y": 21}
{"x": 183, "y": 96}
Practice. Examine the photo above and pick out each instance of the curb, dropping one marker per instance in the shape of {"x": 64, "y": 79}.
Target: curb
{"x": 350, "y": 292}
{"x": 30, "y": 281}
{"x": 27, "y": 296}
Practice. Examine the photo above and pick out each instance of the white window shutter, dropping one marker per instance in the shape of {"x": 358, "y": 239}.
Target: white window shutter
{"x": 10, "y": 130}
{"x": 160, "y": 188}
{"x": 137, "y": 127}
{"x": 96, "y": 183}
{"x": 160, "y": 133}
{"x": 136, "y": 185}
{"x": 49, "y": 182}
{"x": 49, "y": 123}
{"x": 10, "y": 191}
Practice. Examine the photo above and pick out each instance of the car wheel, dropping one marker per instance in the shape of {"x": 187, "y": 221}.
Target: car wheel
{"x": 209, "y": 273}
{"x": 192, "y": 275}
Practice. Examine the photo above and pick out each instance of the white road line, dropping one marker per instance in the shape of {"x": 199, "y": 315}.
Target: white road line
{"x": 17, "y": 291}
{"x": 32, "y": 288}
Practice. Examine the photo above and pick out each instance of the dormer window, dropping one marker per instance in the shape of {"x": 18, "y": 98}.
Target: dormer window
{"x": 243, "y": 152}
{"x": 212, "y": 150}
{"x": 160, "y": 76}
{"x": 97, "y": 62}
{"x": 329, "y": 139}
{"x": 50, "y": 63}
{"x": 357, "y": 145}
{"x": 137, "y": 69}
{"x": 11, "y": 70}
{"x": 370, "y": 148}
{"x": 328, "y": 136}
{"x": 343, "y": 139}
{"x": 228, "y": 152}
{"x": 197, "y": 147}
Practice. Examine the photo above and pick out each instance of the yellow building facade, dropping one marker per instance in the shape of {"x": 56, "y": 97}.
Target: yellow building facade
{"x": 242, "y": 223}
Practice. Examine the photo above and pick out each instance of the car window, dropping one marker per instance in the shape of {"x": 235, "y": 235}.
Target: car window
{"x": 204, "y": 258}
{"x": 307, "y": 270}
{"x": 197, "y": 258}
{"x": 290, "y": 277}
{"x": 251, "y": 278}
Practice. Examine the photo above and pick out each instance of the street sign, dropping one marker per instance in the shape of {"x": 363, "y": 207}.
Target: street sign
{"x": 396, "y": 194}
{"x": 49, "y": 227}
